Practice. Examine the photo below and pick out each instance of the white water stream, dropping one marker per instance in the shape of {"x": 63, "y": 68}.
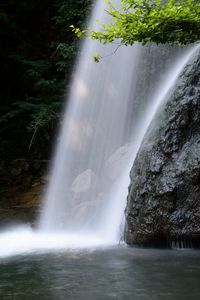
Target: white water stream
{"x": 83, "y": 207}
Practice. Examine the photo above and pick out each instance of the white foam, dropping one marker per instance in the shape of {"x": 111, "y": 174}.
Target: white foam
{"x": 24, "y": 240}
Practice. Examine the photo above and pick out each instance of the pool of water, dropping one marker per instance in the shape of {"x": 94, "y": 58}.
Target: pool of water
{"x": 112, "y": 273}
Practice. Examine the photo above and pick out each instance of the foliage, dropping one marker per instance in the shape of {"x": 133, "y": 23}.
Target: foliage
{"x": 171, "y": 21}
{"x": 36, "y": 56}
{"x": 96, "y": 57}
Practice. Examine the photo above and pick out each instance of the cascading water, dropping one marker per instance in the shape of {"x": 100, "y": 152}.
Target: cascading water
{"x": 86, "y": 197}
{"x": 118, "y": 193}
{"x": 93, "y": 128}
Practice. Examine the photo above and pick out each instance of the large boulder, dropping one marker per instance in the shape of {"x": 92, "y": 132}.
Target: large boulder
{"x": 164, "y": 194}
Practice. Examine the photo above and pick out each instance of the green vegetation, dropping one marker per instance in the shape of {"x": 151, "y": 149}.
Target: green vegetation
{"x": 172, "y": 21}
{"x": 36, "y": 56}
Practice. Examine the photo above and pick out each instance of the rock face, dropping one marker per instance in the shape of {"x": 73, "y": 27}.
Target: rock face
{"x": 21, "y": 186}
{"x": 164, "y": 194}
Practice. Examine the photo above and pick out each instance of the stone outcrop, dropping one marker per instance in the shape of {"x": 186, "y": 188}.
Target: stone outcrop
{"x": 164, "y": 194}
{"x": 21, "y": 186}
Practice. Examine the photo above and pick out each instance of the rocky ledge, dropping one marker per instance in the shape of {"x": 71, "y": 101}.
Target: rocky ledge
{"x": 21, "y": 185}
{"x": 164, "y": 194}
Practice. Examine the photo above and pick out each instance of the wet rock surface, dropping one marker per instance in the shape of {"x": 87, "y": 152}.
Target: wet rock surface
{"x": 21, "y": 186}
{"x": 117, "y": 162}
{"x": 164, "y": 194}
{"x": 84, "y": 182}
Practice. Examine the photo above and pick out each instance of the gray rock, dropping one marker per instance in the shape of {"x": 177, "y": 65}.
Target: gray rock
{"x": 117, "y": 161}
{"x": 164, "y": 193}
{"x": 84, "y": 182}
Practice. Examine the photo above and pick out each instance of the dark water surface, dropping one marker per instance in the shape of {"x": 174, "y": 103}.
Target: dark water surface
{"x": 117, "y": 273}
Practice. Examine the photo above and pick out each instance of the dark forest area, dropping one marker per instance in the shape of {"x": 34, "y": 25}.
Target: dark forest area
{"x": 37, "y": 54}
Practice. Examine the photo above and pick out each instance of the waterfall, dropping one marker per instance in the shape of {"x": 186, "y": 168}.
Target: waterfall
{"x": 107, "y": 114}
{"x": 80, "y": 198}
{"x": 93, "y": 128}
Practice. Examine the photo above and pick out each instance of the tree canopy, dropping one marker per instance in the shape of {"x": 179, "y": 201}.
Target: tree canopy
{"x": 171, "y": 21}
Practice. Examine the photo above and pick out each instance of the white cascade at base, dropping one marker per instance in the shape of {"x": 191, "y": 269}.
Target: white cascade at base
{"x": 24, "y": 240}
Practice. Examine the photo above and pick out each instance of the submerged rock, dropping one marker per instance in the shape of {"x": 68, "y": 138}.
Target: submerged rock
{"x": 118, "y": 161}
{"x": 84, "y": 182}
{"x": 164, "y": 194}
